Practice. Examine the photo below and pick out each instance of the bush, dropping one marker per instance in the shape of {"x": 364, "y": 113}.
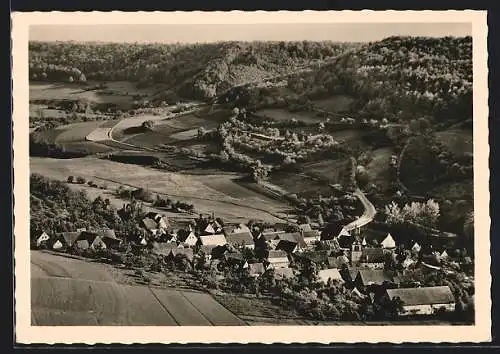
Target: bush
{"x": 80, "y": 180}
{"x": 71, "y": 179}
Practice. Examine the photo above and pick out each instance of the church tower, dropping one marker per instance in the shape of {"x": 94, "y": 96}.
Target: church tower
{"x": 355, "y": 253}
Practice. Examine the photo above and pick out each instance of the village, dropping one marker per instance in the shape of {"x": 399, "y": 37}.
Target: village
{"x": 374, "y": 270}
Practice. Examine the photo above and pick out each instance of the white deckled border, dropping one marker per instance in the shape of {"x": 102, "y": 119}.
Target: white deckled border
{"x": 25, "y": 333}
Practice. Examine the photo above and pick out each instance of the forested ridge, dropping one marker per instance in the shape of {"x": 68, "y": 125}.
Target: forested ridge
{"x": 199, "y": 71}
{"x": 398, "y": 78}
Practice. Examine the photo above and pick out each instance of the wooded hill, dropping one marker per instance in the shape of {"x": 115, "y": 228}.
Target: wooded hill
{"x": 195, "y": 71}
{"x": 398, "y": 78}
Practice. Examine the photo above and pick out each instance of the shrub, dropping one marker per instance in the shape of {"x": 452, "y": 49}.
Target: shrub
{"x": 80, "y": 180}
{"x": 71, "y": 179}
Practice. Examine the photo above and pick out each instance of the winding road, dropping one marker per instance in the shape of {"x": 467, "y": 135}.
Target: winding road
{"x": 367, "y": 215}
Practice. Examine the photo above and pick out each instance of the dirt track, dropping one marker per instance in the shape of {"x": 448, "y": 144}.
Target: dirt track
{"x": 73, "y": 292}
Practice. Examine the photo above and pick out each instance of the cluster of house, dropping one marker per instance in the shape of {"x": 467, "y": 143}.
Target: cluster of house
{"x": 348, "y": 258}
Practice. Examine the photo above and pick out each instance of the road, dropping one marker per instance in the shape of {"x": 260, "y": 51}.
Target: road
{"x": 73, "y": 292}
{"x": 367, "y": 215}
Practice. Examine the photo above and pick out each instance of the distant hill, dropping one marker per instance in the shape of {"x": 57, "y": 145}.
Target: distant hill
{"x": 194, "y": 71}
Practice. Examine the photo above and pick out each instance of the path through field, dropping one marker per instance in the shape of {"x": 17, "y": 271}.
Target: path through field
{"x": 73, "y": 292}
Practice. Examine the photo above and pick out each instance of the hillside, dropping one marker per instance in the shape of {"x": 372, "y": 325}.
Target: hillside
{"x": 398, "y": 78}
{"x": 194, "y": 71}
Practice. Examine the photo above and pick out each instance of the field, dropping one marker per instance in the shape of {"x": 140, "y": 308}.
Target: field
{"x": 378, "y": 168}
{"x": 166, "y": 130}
{"x": 63, "y": 297}
{"x": 335, "y": 104}
{"x": 188, "y": 188}
{"x": 457, "y": 141}
{"x": 120, "y": 93}
{"x": 299, "y": 184}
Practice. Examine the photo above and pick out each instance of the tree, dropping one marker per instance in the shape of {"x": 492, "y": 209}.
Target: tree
{"x": 70, "y": 179}
{"x": 147, "y": 124}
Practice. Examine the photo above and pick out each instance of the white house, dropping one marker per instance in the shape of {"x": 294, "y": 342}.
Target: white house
{"x": 42, "y": 238}
{"x": 425, "y": 300}
{"x": 416, "y": 248}
{"x": 388, "y": 242}
{"x": 213, "y": 240}
{"x": 325, "y": 274}
{"x": 277, "y": 259}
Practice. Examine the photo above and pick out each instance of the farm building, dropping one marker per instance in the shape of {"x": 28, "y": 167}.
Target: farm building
{"x": 109, "y": 237}
{"x": 256, "y": 269}
{"x": 425, "y": 300}
{"x": 278, "y": 259}
{"x": 65, "y": 240}
{"x": 213, "y": 240}
{"x": 325, "y": 274}
{"x": 241, "y": 239}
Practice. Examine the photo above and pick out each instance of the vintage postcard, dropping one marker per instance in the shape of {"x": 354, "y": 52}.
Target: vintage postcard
{"x": 251, "y": 177}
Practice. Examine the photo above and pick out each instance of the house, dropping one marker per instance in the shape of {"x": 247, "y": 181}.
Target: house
{"x": 293, "y": 237}
{"x": 444, "y": 255}
{"x": 277, "y": 259}
{"x": 425, "y": 300}
{"x": 256, "y": 269}
{"x": 337, "y": 262}
{"x": 332, "y": 245}
{"x": 332, "y": 231}
{"x": 109, "y": 237}
{"x": 368, "y": 277}
{"x": 333, "y": 273}
{"x": 65, "y": 240}
{"x": 81, "y": 244}
{"x": 310, "y": 237}
{"x": 207, "y": 252}
{"x": 283, "y": 273}
{"x": 187, "y": 237}
{"x": 161, "y": 220}
{"x": 241, "y": 239}
{"x": 286, "y": 246}
{"x": 42, "y": 238}
{"x": 235, "y": 259}
{"x": 94, "y": 240}
{"x": 416, "y": 248}
{"x": 163, "y": 248}
{"x": 150, "y": 225}
{"x": 215, "y": 240}
{"x": 318, "y": 257}
{"x": 373, "y": 258}
{"x": 388, "y": 242}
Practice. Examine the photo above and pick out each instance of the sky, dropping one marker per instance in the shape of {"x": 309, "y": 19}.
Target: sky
{"x": 192, "y": 33}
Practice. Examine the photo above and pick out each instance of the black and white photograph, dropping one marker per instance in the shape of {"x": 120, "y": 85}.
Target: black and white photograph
{"x": 265, "y": 177}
